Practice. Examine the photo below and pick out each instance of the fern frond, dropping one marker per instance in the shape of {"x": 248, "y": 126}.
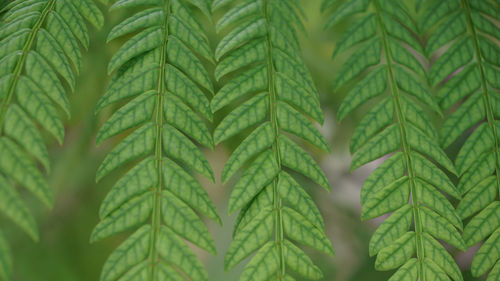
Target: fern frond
{"x": 38, "y": 51}
{"x": 467, "y": 77}
{"x": 259, "y": 57}
{"x": 160, "y": 75}
{"x": 409, "y": 183}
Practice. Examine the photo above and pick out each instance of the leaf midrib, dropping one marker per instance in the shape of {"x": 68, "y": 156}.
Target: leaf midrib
{"x": 20, "y": 63}
{"x": 485, "y": 93}
{"x": 401, "y": 120}
{"x": 158, "y": 120}
{"x": 273, "y": 110}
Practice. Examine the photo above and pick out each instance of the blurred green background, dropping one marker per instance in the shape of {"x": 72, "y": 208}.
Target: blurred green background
{"x": 64, "y": 253}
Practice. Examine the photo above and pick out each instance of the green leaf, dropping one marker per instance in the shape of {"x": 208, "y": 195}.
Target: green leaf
{"x": 407, "y": 272}
{"x": 173, "y": 250}
{"x": 466, "y": 116}
{"x": 246, "y": 115}
{"x": 162, "y": 88}
{"x": 130, "y": 85}
{"x": 298, "y": 261}
{"x": 13, "y": 207}
{"x": 72, "y": 17}
{"x": 385, "y": 142}
{"x": 272, "y": 95}
{"x": 358, "y": 32}
{"x": 237, "y": 13}
{"x": 263, "y": 170}
{"x": 430, "y": 197}
{"x": 134, "y": 113}
{"x": 347, "y": 9}
{"x": 397, "y": 253}
{"x": 494, "y": 273}
{"x": 185, "y": 222}
{"x": 239, "y": 35}
{"x": 186, "y": 187}
{"x": 18, "y": 166}
{"x": 438, "y": 254}
{"x": 487, "y": 255}
{"x": 140, "y": 43}
{"x": 459, "y": 86}
{"x": 128, "y": 254}
{"x": 301, "y": 230}
{"x": 439, "y": 227}
{"x": 50, "y": 50}
{"x": 250, "y": 238}
{"x": 263, "y": 265}
{"x": 458, "y": 55}
{"x": 178, "y": 146}
{"x": 478, "y": 142}
{"x": 143, "y": 19}
{"x": 478, "y": 198}
{"x": 5, "y": 259}
{"x": 252, "y": 52}
{"x": 295, "y": 94}
{"x": 295, "y": 158}
{"x": 387, "y": 61}
{"x": 483, "y": 224}
{"x": 430, "y": 173}
{"x": 255, "y": 79}
{"x": 296, "y": 196}
{"x": 425, "y": 145}
{"x": 39, "y": 107}
{"x": 389, "y": 171}
{"x": 391, "y": 229}
{"x": 21, "y": 128}
{"x": 61, "y": 31}
{"x": 41, "y": 73}
{"x": 363, "y": 58}
{"x": 183, "y": 58}
{"x": 433, "y": 271}
{"x": 184, "y": 119}
{"x": 413, "y": 87}
{"x": 387, "y": 199}
{"x": 91, "y": 12}
{"x": 181, "y": 86}
{"x": 373, "y": 85}
{"x": 130, "y": 214}
{"x": 453, "y": 26}
{"x": 262, "y": 201}
{"x": 135, "y": 182}
{"x": 483, "y": 167}
{"x": 260, "y": 139}
{"x": 137, "y": 144}
{"x": 373, "y": 122}
{"x": 295, "y": 123}
{"x": 37, "y": 49}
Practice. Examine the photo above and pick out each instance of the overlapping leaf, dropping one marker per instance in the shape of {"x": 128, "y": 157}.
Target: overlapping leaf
{"x": 410, "y": 181}
{"x": 466, "y": 77}
{"x": 39, "y": 58}
{"x": 260, "y": 56}
{"x": 161, "y": 76}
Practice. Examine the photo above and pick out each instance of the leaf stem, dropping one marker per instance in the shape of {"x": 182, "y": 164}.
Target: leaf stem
{"x": 158, "y": 119}
{"x": 20, "y": 63}
{"x": 273, "y": 105}
{"x": 404, "y": 140}
{"x": 490, "y": 117}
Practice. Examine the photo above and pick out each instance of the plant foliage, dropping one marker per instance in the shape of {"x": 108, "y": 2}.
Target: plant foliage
{"x": 409, "y": 183}
{"x": 259, "y": 58}
{"x": 163, "y": 86}
{"x": 467, "y": 75}
{"x": 39, "y": 49}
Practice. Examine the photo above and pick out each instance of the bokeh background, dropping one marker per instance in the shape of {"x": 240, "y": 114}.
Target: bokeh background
{"x": 64, "y": 253}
